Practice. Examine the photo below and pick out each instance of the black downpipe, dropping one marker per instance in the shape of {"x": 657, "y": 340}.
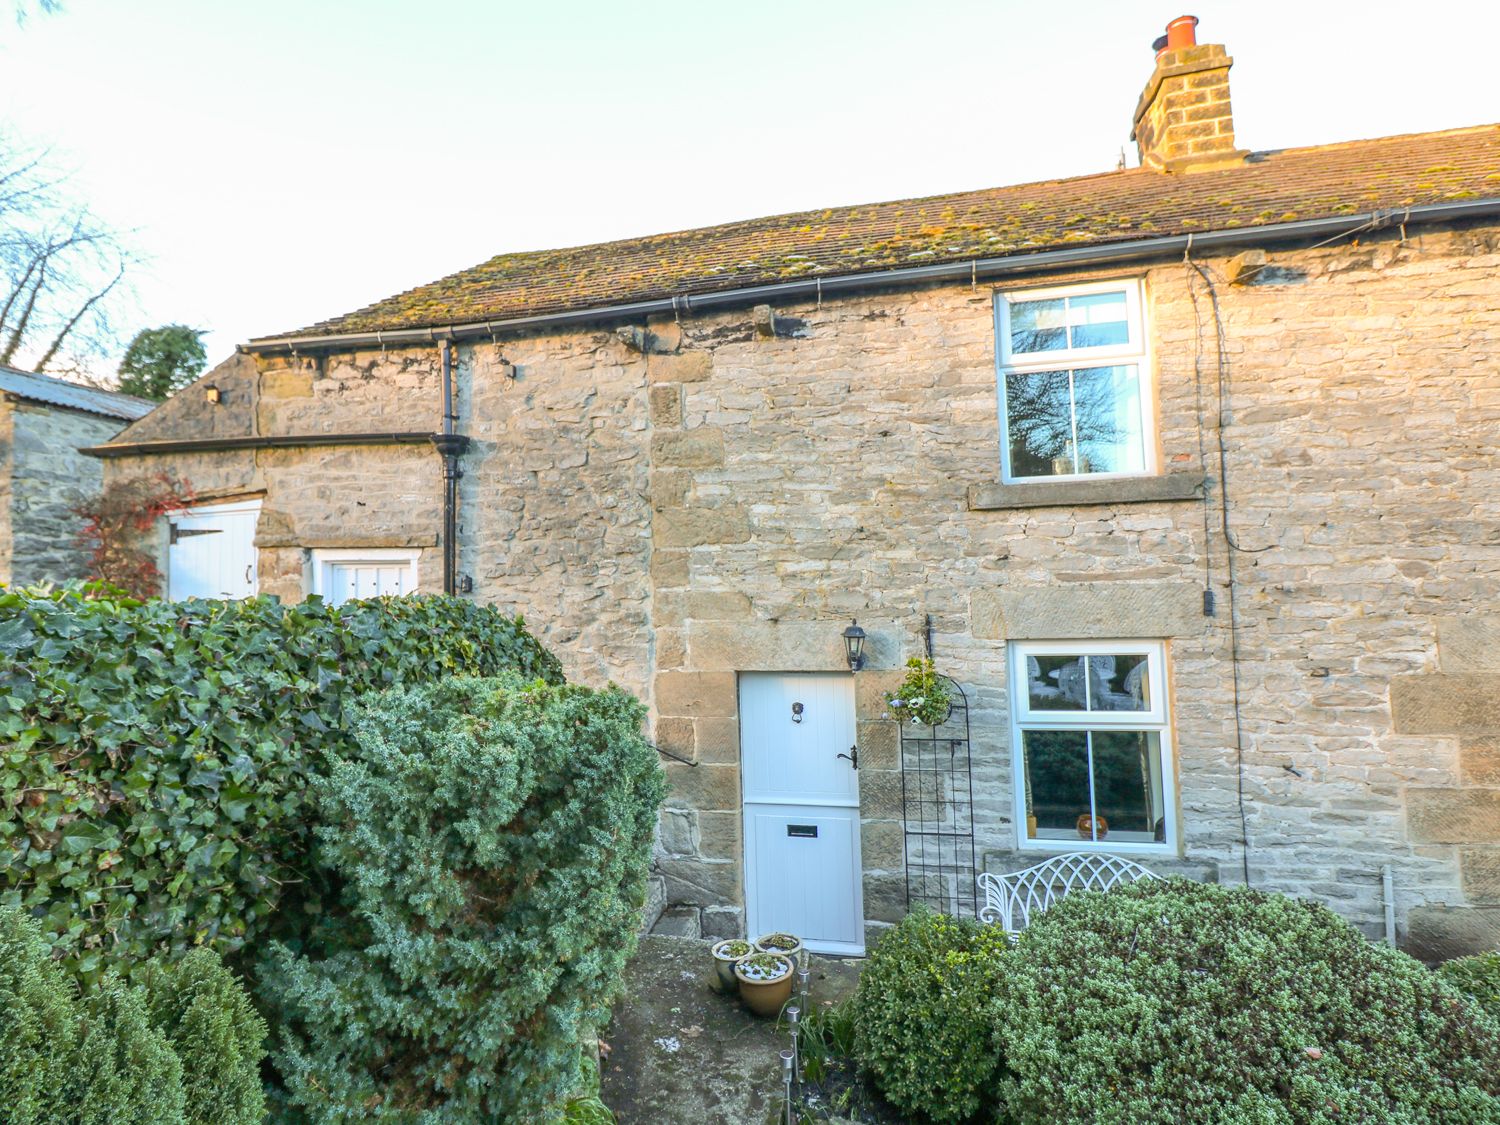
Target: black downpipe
{"x": 451, "y": 446}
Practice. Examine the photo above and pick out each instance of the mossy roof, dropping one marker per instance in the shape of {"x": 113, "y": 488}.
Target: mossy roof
{"x": 1269, "y": 187}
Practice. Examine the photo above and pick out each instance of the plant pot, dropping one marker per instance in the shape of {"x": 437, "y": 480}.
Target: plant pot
{"x": 797, "y": 954}
{"x": 768, "y": 994}
{"x": 724, "y": 963}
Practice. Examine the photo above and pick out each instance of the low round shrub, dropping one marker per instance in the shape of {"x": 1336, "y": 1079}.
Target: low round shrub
{"x": 492, "y": 839}
{"x": 182, "y": 1049}
{"x": 1477, "y": 977}
{"x": 38, "y": 1025}
{"x": 923, "y": 1029}
{"x": 207, "y": 1017}
{"x": 1173, "y": 1001}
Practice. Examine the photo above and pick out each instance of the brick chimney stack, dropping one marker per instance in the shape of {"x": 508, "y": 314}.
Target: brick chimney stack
{"x": 1183, "y": 122}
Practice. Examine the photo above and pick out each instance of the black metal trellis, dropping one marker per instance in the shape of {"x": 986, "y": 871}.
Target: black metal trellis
{"x": 937, "y": 804}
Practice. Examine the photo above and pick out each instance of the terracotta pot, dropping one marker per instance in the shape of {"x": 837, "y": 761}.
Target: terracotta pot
{"x": 724, "y": 965}
{"x": 797, "y": 954}
{"x": 766, "y": 998}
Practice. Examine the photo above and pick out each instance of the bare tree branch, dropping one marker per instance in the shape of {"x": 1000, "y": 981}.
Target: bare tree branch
{"x": 79, "y": 315}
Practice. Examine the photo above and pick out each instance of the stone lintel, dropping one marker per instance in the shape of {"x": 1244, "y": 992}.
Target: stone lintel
{"x": 1088, "y": 611}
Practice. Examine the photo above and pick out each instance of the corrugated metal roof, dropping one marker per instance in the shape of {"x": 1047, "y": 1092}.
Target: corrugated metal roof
{"x": 59, "y": 392}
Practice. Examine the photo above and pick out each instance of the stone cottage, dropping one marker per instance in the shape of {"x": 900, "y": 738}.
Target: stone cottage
{"x": 1186, "y": 475}
{"x": 44, "y": 422}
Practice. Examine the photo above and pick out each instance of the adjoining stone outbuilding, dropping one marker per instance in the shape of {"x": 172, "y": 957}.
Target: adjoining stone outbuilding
{"x": 44, "y": 422}
{"x": 1187, "y": 473}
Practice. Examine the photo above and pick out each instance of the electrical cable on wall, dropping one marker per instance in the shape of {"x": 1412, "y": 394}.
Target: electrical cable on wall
{"x": 1230, "y": 544}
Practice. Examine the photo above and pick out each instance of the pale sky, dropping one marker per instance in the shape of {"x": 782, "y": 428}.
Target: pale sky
{"x": 282, "y": 161}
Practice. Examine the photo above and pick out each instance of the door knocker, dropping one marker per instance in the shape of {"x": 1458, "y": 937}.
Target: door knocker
{"x": 797, "y": 712}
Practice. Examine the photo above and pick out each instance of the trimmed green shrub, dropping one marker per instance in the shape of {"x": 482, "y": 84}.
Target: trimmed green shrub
{"x": 217, "y": 1035}
{"x": 923, "y": 1024}
{"x": 493, "y": 841}
{"x": 38, "y": 1025}
{"x": 1477, "y": 977}
{"x": 154, "y": 756}
{"x": 184, "y": 1049}
{"x": 126, "y": 1069}
{"x": 1178, "y": 1001}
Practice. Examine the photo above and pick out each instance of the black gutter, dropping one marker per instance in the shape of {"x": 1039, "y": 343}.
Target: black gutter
{"x": 451, "y": 446}
{"x": 291, "y": 441}
{"x": 1135, "y": 250}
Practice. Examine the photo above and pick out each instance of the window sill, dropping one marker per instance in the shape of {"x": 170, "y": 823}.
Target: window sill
{"x": 1078, "y": 493}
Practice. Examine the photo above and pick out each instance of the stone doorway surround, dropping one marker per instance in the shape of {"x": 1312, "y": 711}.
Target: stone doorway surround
{"x": 701, "y": 853}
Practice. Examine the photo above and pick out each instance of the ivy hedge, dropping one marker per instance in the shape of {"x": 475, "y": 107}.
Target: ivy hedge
{"x": 155, "y": 757}
{"x": 492, "y": 842}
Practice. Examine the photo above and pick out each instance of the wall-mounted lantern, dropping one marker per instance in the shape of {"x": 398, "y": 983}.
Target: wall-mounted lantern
{"x": 854, "y": 646}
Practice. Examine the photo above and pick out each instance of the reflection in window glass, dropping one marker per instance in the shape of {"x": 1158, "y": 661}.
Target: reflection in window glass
{"x": 1039, "y": 326}
{"x": 1107, "y": 419}
{"x": 1039, "y": 420}
{"x": 1097, "y": 785}
{"x": 1098, "y": 682}
{"x": 1061, "y": 423}
{"x": 1082, "y": 320}
{"x": 1127, "y": 785}
{"x": 1057, "y": 782}
{"x": 1097, "y": 320}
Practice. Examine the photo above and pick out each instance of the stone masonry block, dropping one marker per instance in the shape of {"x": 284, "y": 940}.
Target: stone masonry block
{"x": 678, "y": 834}
{"x": 684, "y": 367}
{"x": 1479, "y": 760}
{"x": 1468, "y": 644}
{"x": 718, "y": 740}
{"x": 286, "y": 384}
{"x": 719, "y": 835}
{"x": 1088, "y": 610}
{"x": 666, "y": 404}
{"x": 1453, "y": 816}
{"x": 669, "y": 569}
{"x": 882, "y": 845}
{"x": 677, "y": 736}
{"x": 1481, "y": 874}
{"x": 701, "y": 882}
{"x": 697, "y": 694}
{"x": 880, "y": 794}
{"x": 1440, "y": 933}
{"x": 699, "y": 527}
{"x": 717, "y": 605}
{"x": 1444, "y": 703}
{"x": 702, "y": 786}
{"x": 879, "y": 744}
{"x": 702, "y": 448}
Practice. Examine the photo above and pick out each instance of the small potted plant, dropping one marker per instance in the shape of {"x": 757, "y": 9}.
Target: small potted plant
{"x": 923, "y": 697}
{"x": 725, "y": 954}
{"x": 788, "y": 945}
{"x": 765, "y": 982}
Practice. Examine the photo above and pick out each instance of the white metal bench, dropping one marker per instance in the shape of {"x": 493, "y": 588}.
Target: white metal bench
{"x": 1015, "y": 898}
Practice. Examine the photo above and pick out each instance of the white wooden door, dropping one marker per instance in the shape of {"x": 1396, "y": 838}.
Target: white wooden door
{"x": 801, "y": 810}
{"x": 211, "y": 553}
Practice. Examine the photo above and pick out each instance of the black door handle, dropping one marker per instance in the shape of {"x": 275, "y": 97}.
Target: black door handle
{"x": 852, "y": 756}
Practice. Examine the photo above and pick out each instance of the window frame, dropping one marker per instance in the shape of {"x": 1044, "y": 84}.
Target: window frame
{"x": 325, "y": 558}
{"x": 1135, "y": 352}
{"x": 1157, "y": 720}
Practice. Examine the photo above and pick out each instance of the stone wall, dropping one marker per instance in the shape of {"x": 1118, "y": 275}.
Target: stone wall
{"x": 700, "y": 499}
{"x": 47, "y": 477}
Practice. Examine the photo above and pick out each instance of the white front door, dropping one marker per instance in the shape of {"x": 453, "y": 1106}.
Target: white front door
{"x": 211, "y": 553}
{"x": 802, "y": 869}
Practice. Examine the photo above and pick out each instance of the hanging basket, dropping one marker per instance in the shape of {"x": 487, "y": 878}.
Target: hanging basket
{"x": 924, "y": 697}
